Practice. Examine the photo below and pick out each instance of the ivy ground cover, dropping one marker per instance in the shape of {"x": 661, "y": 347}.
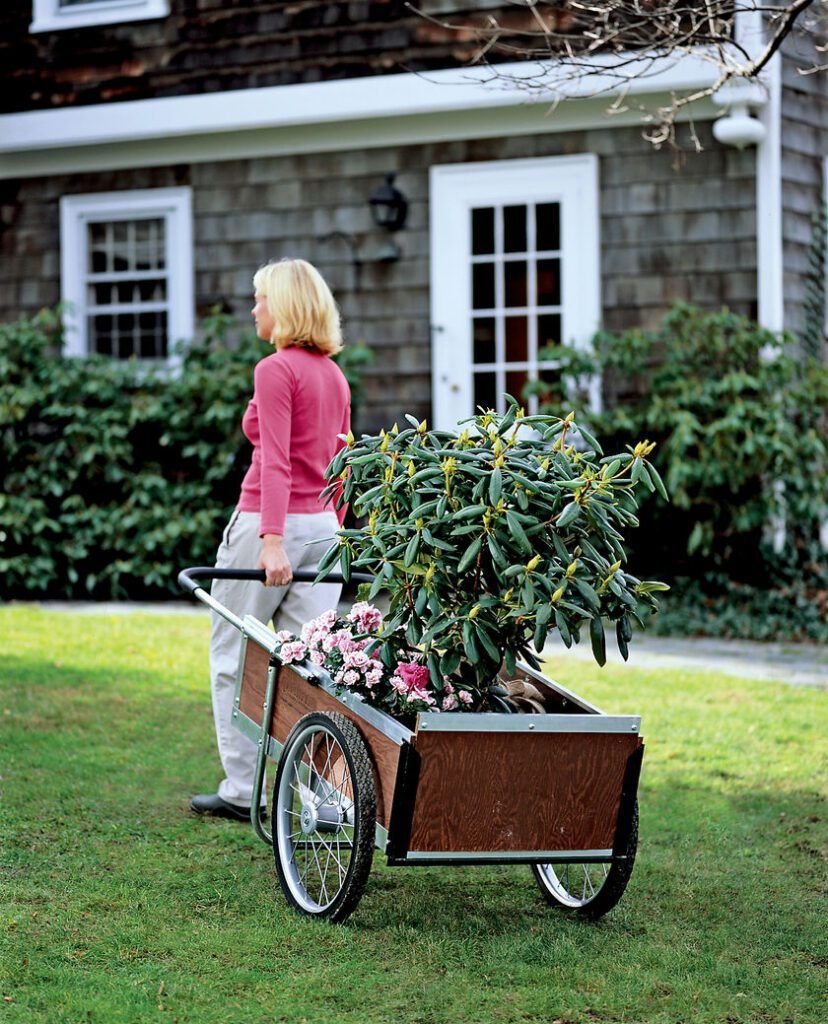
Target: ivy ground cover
{"x": 116, "y": 905}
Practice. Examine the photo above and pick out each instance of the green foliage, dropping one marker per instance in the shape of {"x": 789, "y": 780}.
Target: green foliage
{"x": 740, "y": 424}
{"x": 116, "y": 474}
{"x": 795, "y": 609}
{"x": 487, "y": 540}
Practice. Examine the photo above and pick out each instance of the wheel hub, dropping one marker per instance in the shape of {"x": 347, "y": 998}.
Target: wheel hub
{"x": 308, "y": 819}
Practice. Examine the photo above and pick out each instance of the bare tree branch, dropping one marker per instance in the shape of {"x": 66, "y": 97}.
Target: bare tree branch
{"x": 602, "y": 48}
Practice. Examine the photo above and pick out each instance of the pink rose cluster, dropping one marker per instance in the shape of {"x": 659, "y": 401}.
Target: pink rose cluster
{"x": 410, "y": 683}
{"x": 336, "y": 644}
{"x": 365, "y": 617}
{"x": 339, "y": 645}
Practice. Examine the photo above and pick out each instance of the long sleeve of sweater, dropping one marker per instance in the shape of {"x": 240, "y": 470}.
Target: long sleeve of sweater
{"x": 274, "y": 387}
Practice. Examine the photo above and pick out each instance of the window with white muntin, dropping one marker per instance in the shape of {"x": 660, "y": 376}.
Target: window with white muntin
{"x": 127, "y": 272}
{"x": 54, "y": 15}
{"x": 516, "y": 297}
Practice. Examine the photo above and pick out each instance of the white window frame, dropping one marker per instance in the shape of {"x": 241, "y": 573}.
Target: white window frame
{"x": 49, "y": 16}
{"x": 174, "y": 205}
{"x": 456, "y": 189}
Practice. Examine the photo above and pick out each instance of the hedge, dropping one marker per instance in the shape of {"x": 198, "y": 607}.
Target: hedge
{"x": 740, "y": 417}
{"x": 115, "y": 475}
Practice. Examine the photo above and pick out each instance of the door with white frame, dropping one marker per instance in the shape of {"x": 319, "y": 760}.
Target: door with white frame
{"x": 514, "y": 268}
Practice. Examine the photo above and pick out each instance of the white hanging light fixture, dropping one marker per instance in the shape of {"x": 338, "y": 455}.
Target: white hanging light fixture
{"x": 738, "y": 127}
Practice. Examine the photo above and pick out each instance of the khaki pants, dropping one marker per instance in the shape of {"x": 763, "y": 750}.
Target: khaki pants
{"x": 307, "y": 537}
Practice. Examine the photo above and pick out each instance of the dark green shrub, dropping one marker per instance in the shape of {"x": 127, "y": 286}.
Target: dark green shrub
{"x": 740, "y": 421}
{"x": 488, "y": 540}
{"x": 116, "y": 475}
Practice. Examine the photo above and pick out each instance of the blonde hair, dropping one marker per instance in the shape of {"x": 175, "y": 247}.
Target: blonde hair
{"x": 301, "y": 304}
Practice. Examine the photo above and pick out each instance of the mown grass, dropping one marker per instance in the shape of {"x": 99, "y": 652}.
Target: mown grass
{"x": 116, "y": 905}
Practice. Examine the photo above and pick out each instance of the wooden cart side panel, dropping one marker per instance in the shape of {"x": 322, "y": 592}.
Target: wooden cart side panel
{"x": 295, "y": 697}
{"x": 518, "y": 791}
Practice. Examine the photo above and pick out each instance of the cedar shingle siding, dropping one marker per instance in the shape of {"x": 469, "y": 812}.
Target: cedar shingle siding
{"x": 804, "y": 147}
{"x": 216, "y": 45}
{"x": 665, "y": 235}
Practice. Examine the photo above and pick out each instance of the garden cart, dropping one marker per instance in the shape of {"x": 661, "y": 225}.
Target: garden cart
{"x": 555, "y": 791}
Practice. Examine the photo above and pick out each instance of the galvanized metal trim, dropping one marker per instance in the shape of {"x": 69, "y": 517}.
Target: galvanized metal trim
{"x": 246, "y": 726}
{"x": 380, "y": 837}
{"x": 259, "y": 632}
{"x": 562, "y": 690}
{"x": 456, "y": 721}
{"x": 239, "y": 677}
{"x": 504, "y": 856}
{"x": 384, "y": 723}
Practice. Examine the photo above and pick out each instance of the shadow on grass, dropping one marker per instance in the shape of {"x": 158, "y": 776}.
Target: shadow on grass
{"x": 111, "y": 765}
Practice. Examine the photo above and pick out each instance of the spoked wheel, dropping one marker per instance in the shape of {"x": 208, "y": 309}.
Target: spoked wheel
{"x": 589, "y": 890}
{"x": 324, "y": 813}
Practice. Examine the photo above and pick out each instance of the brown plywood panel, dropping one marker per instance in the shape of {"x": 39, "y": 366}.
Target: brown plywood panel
{"x": 295, "y": 698}
{"x": 518, "y": 791}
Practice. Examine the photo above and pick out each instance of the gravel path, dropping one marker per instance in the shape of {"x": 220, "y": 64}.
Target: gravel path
{"x": 796, "y": 664}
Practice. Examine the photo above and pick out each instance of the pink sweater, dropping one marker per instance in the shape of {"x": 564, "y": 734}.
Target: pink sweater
{"x": 301, "y": 401}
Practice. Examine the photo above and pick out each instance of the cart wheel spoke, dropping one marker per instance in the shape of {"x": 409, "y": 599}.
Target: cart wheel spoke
{"x": 324, "y": 810}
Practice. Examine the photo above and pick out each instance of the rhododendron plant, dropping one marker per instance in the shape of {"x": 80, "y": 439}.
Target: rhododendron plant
{"x": 487, "y": 540}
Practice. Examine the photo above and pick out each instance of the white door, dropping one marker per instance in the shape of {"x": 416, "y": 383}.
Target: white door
{"x": 514, "y": 267}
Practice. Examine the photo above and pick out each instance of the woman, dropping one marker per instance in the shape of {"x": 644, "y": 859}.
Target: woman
{"x": 301, "y": 402}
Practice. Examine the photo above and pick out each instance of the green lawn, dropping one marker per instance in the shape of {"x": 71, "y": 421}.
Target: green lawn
{"x": 117, "y": 905}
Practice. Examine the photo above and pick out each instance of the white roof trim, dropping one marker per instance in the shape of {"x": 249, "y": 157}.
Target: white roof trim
{"x": 325, "y": 102}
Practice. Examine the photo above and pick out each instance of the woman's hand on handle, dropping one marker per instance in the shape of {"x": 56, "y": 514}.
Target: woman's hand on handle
{"x": 275, "y": 561}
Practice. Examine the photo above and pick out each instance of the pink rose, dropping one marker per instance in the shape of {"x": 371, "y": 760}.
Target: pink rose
{"x": 465, "y": 696}
{"x": 293, "y": 652}
{"x": 317, "y": 657}
{"x": 423, "y": 696}
{"x": 415, "y": 676}
{"x": 399, "y": 685}
{"x": 356, "y": 659}
{"x": 366, "y": 617}
{"x": 349, "y": 677}
{"x": 449, "y": 703}
{"x": 284, "y": 636}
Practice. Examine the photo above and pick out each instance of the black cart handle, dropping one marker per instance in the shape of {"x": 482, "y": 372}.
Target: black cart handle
{"x": 187, "y": 577}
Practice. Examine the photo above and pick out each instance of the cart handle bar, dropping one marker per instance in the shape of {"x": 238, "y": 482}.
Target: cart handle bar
{"x": 187, "y": 577}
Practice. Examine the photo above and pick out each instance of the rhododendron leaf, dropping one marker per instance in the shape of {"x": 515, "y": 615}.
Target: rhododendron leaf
{"x": 496, "y": 551}
{"x": 518, "y": 533}
{"x": 470, "y": 554}
{"x": 495, "y": 486}
{"x": 563, "y": 628}
{"x": 569, "y": 514}
{"x": 450, "y": 662}
{"x": 597, "y": 639}
{"x": 487, "y": 643}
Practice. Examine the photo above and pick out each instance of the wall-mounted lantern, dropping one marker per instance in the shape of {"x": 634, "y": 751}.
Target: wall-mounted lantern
{"x": 389, "y": 206}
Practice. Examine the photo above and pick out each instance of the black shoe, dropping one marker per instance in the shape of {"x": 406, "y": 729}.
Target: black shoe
{"x": 212, "y": 804}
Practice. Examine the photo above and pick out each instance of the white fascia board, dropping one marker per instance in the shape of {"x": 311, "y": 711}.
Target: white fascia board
{"x": 317, "y": 103}
{"x": 502, "y": 122}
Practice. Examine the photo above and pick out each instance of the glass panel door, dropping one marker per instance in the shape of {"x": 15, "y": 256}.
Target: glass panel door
{"x": 514, "y": 271}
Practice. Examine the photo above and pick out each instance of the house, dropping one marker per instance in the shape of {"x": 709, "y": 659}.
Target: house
{"x": 153, "y": 153}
